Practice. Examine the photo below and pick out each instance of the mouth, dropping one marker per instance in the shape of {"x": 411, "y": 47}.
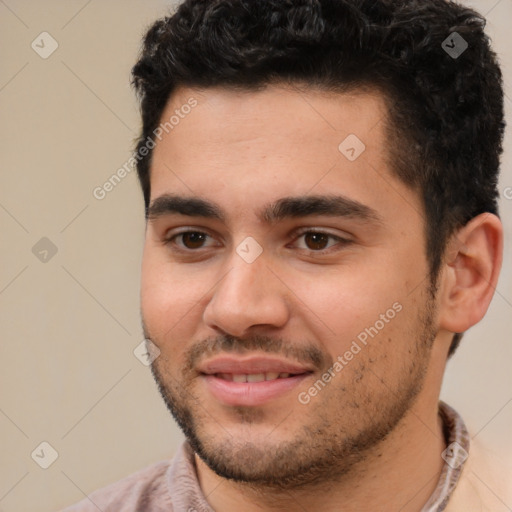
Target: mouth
{"x": 254, "y": 377}
{"x": 251, "y": 381}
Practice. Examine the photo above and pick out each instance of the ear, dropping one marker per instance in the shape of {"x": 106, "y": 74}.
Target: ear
{"x": 471, "y": 268}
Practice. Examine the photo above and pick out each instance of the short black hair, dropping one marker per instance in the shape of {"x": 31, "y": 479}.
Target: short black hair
{"x": 431, "y": 59}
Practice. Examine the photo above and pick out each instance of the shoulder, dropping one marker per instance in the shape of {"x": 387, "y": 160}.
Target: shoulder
{"x": 143, "y": 489}
{"x": 485, "y": 483}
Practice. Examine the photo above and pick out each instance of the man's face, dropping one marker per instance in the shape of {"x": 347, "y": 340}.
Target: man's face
{"x": 291, "y": 342}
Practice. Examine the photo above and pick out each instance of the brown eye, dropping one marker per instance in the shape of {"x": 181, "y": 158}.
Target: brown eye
{"x": 316, "y": 241}
{"x": 320, "y": 242}
{"x": 193, "y": 239}
{"x": 190, "y": 241}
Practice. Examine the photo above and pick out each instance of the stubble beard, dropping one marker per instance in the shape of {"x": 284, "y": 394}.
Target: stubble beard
{"x": 323, "y": 450}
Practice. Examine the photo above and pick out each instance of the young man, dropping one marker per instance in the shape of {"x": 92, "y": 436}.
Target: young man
{"x": 320, "y": 187}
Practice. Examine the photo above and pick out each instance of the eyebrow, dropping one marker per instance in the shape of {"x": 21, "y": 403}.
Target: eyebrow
{"x": 287, "y": 207}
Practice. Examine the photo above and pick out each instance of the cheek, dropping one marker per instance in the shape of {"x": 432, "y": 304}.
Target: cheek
{"x": 365, "y": 320}
{"x": 170, "y": 297}
{"x": 162, "y": 293}
{"x": 153, "y": 296}
{"x": 347, "y": 301}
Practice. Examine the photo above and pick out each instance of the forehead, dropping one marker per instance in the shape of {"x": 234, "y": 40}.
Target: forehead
{"x": 245, "y": 147}
{"x": 237, "y": 114}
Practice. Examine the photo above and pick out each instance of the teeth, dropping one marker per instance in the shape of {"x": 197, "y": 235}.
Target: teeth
{"x": 253, "y": 377}
{"x": 257, "y": 377}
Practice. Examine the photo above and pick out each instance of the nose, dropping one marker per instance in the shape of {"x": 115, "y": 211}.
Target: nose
{"x": 248, "y": 295}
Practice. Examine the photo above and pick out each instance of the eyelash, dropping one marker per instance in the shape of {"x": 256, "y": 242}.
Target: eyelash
{"x": 341, "y": 241}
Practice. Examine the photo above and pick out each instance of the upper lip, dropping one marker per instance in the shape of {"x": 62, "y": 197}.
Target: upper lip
{"x": 251, "y": 365}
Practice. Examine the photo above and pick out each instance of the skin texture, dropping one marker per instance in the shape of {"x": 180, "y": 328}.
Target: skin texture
{"x": 358, "y": 440}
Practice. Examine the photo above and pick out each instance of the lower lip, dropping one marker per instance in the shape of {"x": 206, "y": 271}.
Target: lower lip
{"x": 250, "y": 393}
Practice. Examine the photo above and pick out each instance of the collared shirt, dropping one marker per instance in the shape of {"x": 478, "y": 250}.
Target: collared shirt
{"x": 173, "y": 486}
{"x": 457, "y": 451}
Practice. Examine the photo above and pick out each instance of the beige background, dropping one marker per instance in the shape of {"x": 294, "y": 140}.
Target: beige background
{"x": 69, "y": 325}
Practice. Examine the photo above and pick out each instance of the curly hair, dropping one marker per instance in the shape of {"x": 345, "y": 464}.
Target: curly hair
{"x": 446, "y": 120}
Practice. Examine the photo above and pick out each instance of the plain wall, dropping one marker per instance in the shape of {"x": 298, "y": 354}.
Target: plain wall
{"x": 70, "y": 324}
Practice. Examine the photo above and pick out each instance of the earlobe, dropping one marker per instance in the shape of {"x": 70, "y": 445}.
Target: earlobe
{"x": 470, "y": 273}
